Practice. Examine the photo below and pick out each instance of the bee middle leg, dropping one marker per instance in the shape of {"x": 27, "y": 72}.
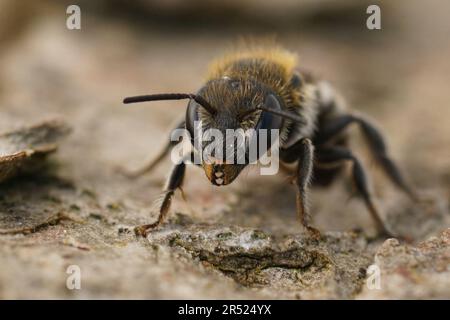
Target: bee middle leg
{"x": 376, "y": 143}
{"x": 303, "y": 151}
{"x": 335, "y": 154}
{"x": 174, "y": 182}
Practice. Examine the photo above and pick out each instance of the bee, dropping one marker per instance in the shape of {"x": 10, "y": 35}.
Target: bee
{"x": 262, "y": 87}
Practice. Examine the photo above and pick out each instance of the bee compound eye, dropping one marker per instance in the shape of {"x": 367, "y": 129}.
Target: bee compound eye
{"x": 270, "y": 121}
{"x": 193, "y": 125}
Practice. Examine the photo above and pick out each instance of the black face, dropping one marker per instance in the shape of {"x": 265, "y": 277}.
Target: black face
{"x": 234, "y": 101}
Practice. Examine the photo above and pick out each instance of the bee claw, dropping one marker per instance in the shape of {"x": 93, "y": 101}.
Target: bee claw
{"x": 314, "y": 233}
{"x": 144, "y": 230}
{"x": 141, "y": 231}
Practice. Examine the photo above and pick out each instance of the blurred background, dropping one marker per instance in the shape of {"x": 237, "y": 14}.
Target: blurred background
{"x": 398, "y": 75}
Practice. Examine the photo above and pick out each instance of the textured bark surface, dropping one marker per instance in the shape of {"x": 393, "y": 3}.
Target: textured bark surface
{"x": 239, "y": 241}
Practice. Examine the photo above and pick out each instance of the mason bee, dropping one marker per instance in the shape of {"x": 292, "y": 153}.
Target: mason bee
{"x": 262, "y": 88}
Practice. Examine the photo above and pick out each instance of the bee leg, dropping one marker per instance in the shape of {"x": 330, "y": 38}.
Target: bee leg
{"x": 151, "y": 164}
{"x": 174, "y": 182}
{"x": 379, "y": 150}
{"x": 377, "y": 146}
{"x": 156, "y": 160}
{"x": 304, "y": 151}
{"x": 335, "y": 154}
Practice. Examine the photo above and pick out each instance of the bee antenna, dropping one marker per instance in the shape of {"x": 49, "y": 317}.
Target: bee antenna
{"x": 172, "y": 96}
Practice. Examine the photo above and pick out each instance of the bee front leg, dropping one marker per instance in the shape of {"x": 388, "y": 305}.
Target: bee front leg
{"x": 303, "y": 150}
{"x": 174, "y": 182}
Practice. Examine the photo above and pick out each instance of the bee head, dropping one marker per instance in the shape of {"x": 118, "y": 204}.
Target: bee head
{"x": 231, "y": 136}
